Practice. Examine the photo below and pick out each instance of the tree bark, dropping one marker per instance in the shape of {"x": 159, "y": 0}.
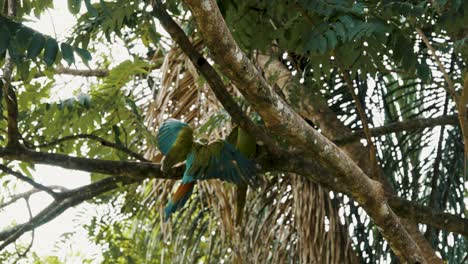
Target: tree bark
{"x": 281, "y": 120}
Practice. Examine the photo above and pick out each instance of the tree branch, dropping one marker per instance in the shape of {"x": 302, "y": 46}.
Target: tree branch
{"x": 311, "y": 105}
{"x": 70, "y": 198}
{"x": 9, "y": 93}
{"x": 363, "y": 117}
{"x": 26, "y": 195}
{"x": 427, "y": 215}
{"x": 213, "y": 79}
{"x": 96, "y": 138}
{"x": 283, "y": 121}
{"x": 83, "y": 73}
{"x": 109, "y": 167}
{"x": 99, "y": 73}
{"x": 460, "y": 101}
{"x": 11, "y": 102}
{"x": 450, "y": 87}
{"x": 29, "y": 181}
{"x": 408, "y": 125}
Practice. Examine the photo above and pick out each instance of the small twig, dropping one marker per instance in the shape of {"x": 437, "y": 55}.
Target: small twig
{"x": 22, "y": 255}
{"x": 26, "y": 195}
{"x": 83, "y": 73}
{"x": 96, "y": 138}
{"x": 450, "y": 87}
{"x": 362, "y": 116}
{"x": 436, "y": 172}
{"x": 30, "y": 181}
{"x": 409, "y": 125}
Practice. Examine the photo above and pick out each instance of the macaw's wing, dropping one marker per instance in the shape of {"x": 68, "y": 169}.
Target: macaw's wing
{"x": 175, "y": 140}
{"x": 221, "y": 160}
{"x": 179, "y": 199}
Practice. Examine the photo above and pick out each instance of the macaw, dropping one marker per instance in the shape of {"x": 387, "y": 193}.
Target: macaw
{"x": 218, "y": 159}
{"x": 247, "y": 146}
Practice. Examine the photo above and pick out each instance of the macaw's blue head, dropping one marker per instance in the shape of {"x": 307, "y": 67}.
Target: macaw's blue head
{"x": 175, "y": 140}
{"x": 169, "y": 132}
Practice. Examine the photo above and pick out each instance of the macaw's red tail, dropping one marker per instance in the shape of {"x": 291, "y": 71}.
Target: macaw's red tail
{"x": 179, "y": 198}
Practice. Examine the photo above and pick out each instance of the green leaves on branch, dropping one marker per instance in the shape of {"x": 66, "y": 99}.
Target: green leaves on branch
{"x": 24, "y": 43}
{"x": 112, "y": 19}
{"x": 36, "y": 7}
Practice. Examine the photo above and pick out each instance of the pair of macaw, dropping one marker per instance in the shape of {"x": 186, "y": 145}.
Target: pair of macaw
{"x": 225, "y": 160}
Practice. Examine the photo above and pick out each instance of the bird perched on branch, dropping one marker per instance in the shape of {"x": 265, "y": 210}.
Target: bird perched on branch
{"x": 216, "y": 160}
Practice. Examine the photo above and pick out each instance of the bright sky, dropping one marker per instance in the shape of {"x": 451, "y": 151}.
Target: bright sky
{"x": 56, "y": 23}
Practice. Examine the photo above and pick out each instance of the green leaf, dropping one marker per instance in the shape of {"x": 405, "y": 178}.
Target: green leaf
{"x": 117, "y": 133}
{"x": 15, "y": 54}
{"x": 74, "y": 6}
{"x": 331, "y": 39}
{"x": 36, "y": 45}
{"x": 347, "y": 21}
{"x": 67, "y": 53}
{"x": 25, "y": 168}
{"x": 84, "y": 54}
{"x": 51, "y": 50}
{"x": 84, "y": 100}
{"x": 358, "y": 8}
{"x": 4, "y": 38}
{"x": 91, "y": 10}
{"x": 322, "y": 45}
{"x": 340, "y": 30}
{"x": 104, "y": 7}
{"x": 134, "y": 108}
{"x": 23, "y": 37}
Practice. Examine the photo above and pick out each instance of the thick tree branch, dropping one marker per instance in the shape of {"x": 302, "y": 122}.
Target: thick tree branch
{"x": 11, "y": 102}
{"x": 109, "y": 167}
{"x": 9, "y": 93}
{"x": 69, "y": 198}
{"x": 213, "y": 79}
{"x": 283, "y": 121}
{"x": 103, "y": 142}
{"x": 402, "y": 207}
{"x": 310, "y": 104}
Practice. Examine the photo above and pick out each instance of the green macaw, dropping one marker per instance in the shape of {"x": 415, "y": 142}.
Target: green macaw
{"x": 247, "y": 146}
{"x": 218, "y": 159}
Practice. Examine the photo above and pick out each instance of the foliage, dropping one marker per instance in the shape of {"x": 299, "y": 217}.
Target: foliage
{"x": 25, "y": 44}
{"x": 289, "y": 220}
